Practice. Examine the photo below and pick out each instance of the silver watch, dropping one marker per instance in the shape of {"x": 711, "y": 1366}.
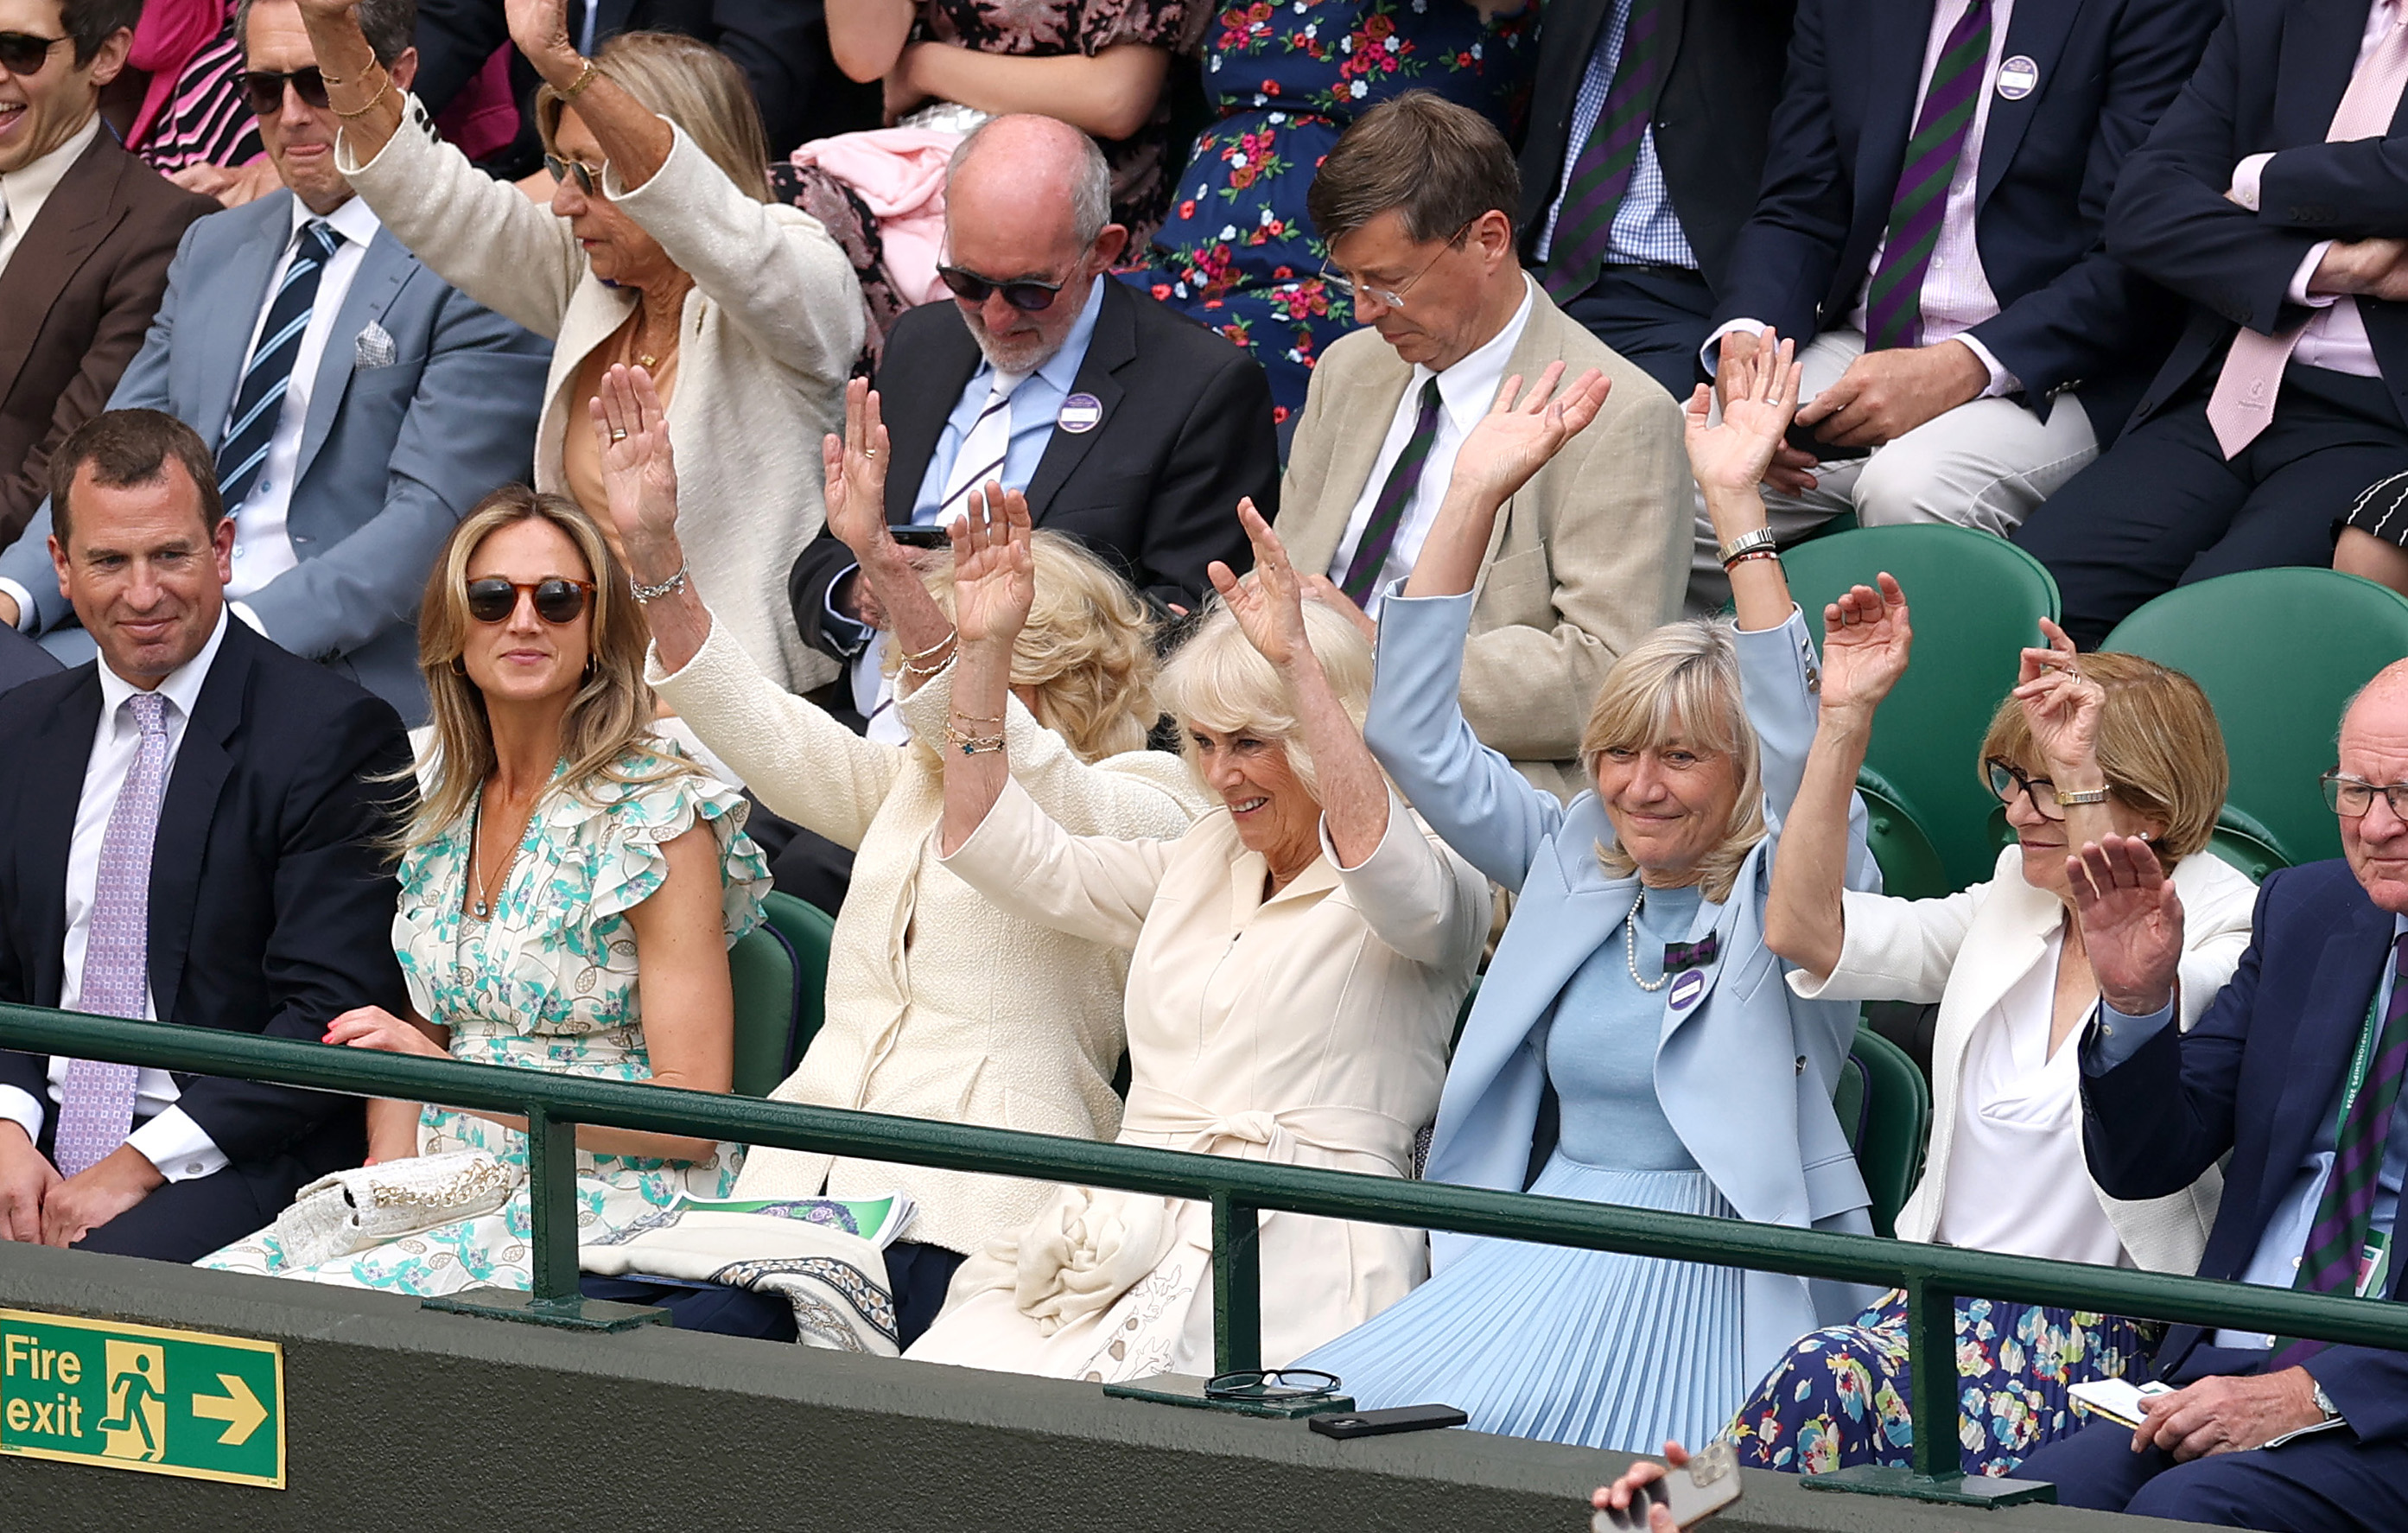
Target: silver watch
{"x": 1747, "y": 542}
{"x": 2324, "y": 1402}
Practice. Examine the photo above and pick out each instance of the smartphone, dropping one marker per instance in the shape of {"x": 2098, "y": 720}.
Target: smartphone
{"x": 2117, "y": 1399}
{"x": 1403, "y": 1418}
{"x": 1801, "y": 436}
{"x": 1708, "y": 1483}
{"x": 922, "y": 537}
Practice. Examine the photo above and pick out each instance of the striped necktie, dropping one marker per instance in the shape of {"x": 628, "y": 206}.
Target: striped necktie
{"x": 1601, "y": 173}
{"x": 1388, "y": 511}
{"x": 259, "y": 401}
{"x": 1894, "y": 301}
{"x": 2345, "y": 1212}
{"x": 984, "y": 448}
{"x": 96, "y": 1100}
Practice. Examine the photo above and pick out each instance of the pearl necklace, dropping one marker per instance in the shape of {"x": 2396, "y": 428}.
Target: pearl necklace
{"x": 1630, "y": 946}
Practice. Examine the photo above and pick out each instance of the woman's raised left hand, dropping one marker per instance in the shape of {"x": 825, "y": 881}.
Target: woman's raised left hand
{"x": 1759, "y": 398}
{"x": 1523, "y": 429}
{"x": 631, "y": 426}
{"x": 1269, "y": 604}
{"x": 1866, "y": 639}
{"x": 374, "y": 1028}
{"x": 540, "y": 30}
{"x": 995, "y": 570}
{"x": 2060, "y": 704}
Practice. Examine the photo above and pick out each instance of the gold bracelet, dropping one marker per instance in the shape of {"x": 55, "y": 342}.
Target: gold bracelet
{"x": 585, "y": 76}
{"x": 976, "y": 718}
{"x": 972, "y": 745}
{"x": 921, "y": 657}
{"x": 374, "y": 101}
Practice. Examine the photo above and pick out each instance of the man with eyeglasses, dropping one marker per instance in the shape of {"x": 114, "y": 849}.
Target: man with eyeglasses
{"x": 86, "y": 232}
{"x": 357, "y": 404}
{"x": 2293, "y": 1078}
{"x": 1127, "y": 425}
{"x": 1417, "y": 201}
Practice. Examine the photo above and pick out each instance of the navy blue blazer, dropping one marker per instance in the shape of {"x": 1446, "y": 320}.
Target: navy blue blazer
{"x": 2272, "y": 76}
{"x": 2254, "y": 1079}
{"x": 2069, "y": 316}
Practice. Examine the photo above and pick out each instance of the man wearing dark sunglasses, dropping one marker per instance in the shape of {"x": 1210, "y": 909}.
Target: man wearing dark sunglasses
{"x": 354, "y": 403}
{"x": 86, "y": 232}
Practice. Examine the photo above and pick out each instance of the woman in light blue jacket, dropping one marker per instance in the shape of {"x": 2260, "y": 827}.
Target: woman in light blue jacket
{"x": 1633, "y": 1041}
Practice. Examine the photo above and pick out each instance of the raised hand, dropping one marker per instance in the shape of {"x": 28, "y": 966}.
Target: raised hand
{"x": 994, "y": 571}
{"x": 1269, "y": 604}
{"x": 1321, "y": 588}
{"x": 855, "y": 466}
{"x": 540, "y": 29}
{"x": 639, "y": 470}
{"x": 1518, "y": 435}
{"x": 2060, "y": 704}
{"x": 1760, "y": 394}
{"x": 1866, "y": 639}
{"x": 328, "y": 9}
{"x": 2132, "y": 922}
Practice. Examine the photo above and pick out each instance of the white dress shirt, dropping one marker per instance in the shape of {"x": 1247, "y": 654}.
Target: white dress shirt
{"x": 25, "y": 189}
{"x": 1957, "y": 293}
{"x": 2335, "y": 337}
{"x": 172, "y": 1141}
{"x": 1465, "y": 391}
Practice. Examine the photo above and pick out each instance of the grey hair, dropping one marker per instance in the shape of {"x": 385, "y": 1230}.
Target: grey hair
{"x": 390, "y": 26}
{"x": 1091, "y": 189}
{"x": 1218, "y": 680}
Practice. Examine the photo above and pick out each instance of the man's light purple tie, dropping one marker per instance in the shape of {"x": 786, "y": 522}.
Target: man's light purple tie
{"x": 97, "y": 1105}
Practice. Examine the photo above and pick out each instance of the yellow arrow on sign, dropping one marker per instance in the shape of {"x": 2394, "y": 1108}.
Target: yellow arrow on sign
{"x": 238, "y": 1408}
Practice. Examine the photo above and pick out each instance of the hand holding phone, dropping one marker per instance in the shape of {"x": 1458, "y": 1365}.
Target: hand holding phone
{"x": 1801, "y": 436}
{"x": 1692, "y": 1491}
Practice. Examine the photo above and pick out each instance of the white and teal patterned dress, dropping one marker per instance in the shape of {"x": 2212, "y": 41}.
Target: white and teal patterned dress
{"x": 548, "y": 984}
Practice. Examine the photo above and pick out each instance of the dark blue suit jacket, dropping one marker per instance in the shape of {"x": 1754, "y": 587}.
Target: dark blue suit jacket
{"x": 2068, "y": 315}
{"x": 2256, "y": 1078}
{"x": 2272, "y": 75}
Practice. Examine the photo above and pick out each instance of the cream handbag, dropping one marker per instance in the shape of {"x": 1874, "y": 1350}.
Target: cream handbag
{"x": 349, "y": 1211}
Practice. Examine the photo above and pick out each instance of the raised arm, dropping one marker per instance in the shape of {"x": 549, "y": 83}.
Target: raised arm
{"x": 995, "y": 584}
{"x": 1729, "y": 458}
{"x": 634, "y": 139}
{"x": 855, "y": 472}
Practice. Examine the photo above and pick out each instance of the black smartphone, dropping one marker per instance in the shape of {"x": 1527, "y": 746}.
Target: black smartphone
{"x": 1403, "y": 1418}
{"x": 922, "y": 537}
{"x": 1801, "y": 436}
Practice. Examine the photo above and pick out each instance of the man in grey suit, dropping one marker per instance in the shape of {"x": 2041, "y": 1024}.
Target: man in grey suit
{"x": 355, "y": 404}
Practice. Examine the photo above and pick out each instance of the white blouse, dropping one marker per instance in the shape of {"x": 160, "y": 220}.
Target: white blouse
{"x": 2016, "y": 1182}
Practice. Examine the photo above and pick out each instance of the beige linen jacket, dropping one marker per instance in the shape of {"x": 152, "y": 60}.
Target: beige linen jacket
{"x": 771, "y": 330}
{"x": 1591, "y": 556}
{"x": 1968, "y": 951}
{"x": 940, "y": 1003}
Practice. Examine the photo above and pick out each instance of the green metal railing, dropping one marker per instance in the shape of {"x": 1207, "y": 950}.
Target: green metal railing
{"x": 1932, "y": 1276}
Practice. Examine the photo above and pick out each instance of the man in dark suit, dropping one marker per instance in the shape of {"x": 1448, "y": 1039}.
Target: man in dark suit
{"x": 21, "y": 660}
{"x": 1628, "y": 215}
{"x": 191, "y": 831}
{"x": 86, "y": 232}
{"x": 2294, "y": 1074}
{"x": 2273, "y": 197}
{"x": 1930, "y": 232}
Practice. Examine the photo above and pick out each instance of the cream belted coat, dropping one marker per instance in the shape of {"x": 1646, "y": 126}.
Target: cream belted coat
{"x": 1309, "y": 1028}
{"x": 941, "y": 1002}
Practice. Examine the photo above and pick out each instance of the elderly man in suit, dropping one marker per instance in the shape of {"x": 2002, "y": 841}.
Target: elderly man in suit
{"x": 1417, "y": 202}
{"x": 195, "y": 831}
{"x": 2292, "y": 1078}
{"x": 2273, "y": 196}
{"x": 356, "y": 405}
{"x": 1646, "y": 142}
{"x": 86, "y": 232}
{"x": 1930, "y": 231}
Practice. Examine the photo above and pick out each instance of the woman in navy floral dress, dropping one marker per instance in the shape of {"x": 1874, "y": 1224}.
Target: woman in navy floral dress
{"x": 1238, "y": 251}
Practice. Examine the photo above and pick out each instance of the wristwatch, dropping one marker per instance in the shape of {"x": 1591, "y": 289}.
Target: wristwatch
{"x": 2324, "y": 1402}
{"x": 1746, "y": 543}
{"x": 2086, "y": 796}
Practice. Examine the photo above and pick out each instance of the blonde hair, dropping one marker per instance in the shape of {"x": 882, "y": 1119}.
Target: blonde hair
{"x": 691, "y": 84}
{"x": 1087, "y": 649}
{"x": 1219, "y": 680}
{"x": 2159, "y": 748}
{"x": 1681, "y": 683}
{"x": 609, "y": 720}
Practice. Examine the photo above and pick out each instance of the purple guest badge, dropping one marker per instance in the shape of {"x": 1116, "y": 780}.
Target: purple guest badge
{"x": 1687, "y": 988}
{"x": 1080, "y": 412}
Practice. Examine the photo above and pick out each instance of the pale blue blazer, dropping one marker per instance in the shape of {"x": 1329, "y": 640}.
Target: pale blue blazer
{"x": 1744, "y": 1072}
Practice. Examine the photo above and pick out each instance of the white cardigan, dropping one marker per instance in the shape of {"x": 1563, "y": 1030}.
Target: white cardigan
{"x": 1970, "y": 949}
{"x": 769, "y": 332}
{"x": 940, "y": 1004}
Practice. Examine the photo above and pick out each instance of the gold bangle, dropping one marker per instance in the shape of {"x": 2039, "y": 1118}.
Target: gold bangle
{"x": 972, "y": 745}
{"x": 374, "y": 101}
{"x": 921, "y": 657}
{"x": 585, "y": 76}
{"x": 975, "y": 718}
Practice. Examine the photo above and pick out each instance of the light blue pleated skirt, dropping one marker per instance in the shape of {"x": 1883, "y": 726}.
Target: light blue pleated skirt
{"x": 1587, "y": 1347}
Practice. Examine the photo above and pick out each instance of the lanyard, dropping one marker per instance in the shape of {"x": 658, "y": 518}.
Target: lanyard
{"x": 2362, "y": 1059}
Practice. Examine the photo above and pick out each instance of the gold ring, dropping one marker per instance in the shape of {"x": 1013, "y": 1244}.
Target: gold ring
{"x": 870, "y": 452}
{"x": 618, "y": 436}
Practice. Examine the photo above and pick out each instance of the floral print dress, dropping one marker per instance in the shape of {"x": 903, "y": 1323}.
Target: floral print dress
{"x": 548, "y": 984}
{"x": 1238, "y": 251}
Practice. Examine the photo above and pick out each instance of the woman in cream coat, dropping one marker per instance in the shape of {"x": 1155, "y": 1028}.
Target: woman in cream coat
{"x": 941, "y": 1002}
{"x": 661, "y": 249}
{"x": 1295, "y": 961}
{"x": 2086, "y": 745}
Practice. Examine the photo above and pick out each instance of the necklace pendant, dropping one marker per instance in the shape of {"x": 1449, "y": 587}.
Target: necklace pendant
{"x": 482, "y": 910}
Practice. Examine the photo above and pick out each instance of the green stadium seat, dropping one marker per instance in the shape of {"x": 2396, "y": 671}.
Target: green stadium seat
{"x": 763, "y": 968}
{"x": 1884, "y": 1108}
{"x": 807, "y": 929}
{"x": 1977, "y": 601}
{"x": 1909, "y": 863}
{"x": 2280, "y": 704}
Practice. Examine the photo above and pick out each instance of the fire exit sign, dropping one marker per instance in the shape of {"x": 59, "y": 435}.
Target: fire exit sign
{"x": 139, "y": 1397}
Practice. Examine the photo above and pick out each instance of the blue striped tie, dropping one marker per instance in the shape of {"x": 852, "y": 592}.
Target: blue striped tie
{"x": 269, "y": 372}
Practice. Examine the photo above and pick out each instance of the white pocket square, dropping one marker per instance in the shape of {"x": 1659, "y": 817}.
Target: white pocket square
{"x": 374, "y": 348}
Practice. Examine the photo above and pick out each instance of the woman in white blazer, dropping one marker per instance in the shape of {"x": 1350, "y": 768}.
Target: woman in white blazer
{"x": 662, "y": 250}
{"x": 2086, "y": 744}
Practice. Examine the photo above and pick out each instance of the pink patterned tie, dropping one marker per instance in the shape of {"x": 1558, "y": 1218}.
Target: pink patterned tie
{"x": 2246, "y": 390}
{"x": 96, "y": 1106}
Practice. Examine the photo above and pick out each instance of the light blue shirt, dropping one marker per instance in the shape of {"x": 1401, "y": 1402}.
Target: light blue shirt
{"x": 1035, "y": 407}
{"x": 1646, "y": 231}
{"x": 2276, "y": 1261}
